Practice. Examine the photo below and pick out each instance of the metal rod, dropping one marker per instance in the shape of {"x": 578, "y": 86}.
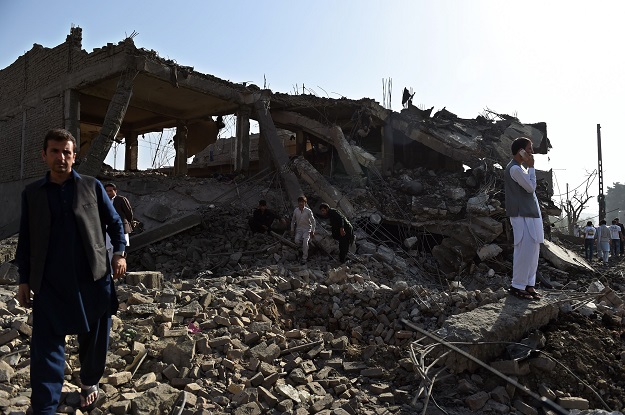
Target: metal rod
{"x": 544, "y": 401}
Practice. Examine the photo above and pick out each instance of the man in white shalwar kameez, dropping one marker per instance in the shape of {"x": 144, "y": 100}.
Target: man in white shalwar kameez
{"x": 525, "y": 217}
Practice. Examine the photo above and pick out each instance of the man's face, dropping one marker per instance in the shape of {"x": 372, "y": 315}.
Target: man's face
{"x": 262, "y": 207}
{"x": 110, "y": 192}
{"x": 301, "y": 204}
{"x": 59, "y": 156}
{"x": 324, "y": 212}
{"x": 529, "y": 148}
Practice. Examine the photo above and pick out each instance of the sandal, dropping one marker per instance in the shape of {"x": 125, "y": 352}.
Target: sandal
{"x": 85, "y": 393}
{"x": 532, "y": 291}
{"x": 520, "y": 293}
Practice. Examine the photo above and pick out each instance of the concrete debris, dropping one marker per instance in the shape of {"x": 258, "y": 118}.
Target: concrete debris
{"x": 216, "y": 320}
{"x": 263, "y": 334}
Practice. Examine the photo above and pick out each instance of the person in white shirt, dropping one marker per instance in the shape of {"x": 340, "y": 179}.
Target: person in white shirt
{"x": 615, "y": 235}
{"x": 524, "y": 212}
{"x": 589, "y": 240}
{"x": 303, "y": 225}
{"x": 603, "y": 241}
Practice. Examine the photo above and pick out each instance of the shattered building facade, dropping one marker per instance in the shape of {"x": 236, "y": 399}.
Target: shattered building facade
{"x": 442, "y": 169}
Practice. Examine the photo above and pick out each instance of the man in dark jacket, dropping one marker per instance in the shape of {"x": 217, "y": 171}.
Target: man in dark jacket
{"x": 262, "y": 218}
{"x": 123, "y": 208}
{"x": 342, "y": 230}
{"x": 62, "y": 260}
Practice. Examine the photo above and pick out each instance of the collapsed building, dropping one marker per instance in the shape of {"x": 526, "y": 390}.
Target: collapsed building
{"x": 118, "y": 92}
{"x": 430, "y": 180}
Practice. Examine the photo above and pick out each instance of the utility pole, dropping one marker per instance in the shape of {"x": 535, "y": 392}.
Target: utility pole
{"x": 601, "y": 196}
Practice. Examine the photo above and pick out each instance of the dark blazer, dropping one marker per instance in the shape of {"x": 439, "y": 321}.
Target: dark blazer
{"x": 124, "y": 210}
{"x": 94, "y": 216}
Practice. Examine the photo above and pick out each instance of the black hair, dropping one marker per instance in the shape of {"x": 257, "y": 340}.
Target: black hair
{"x": 518, "y": 144}
{"x": 110, "y": 185}
{"x": 302, "y": 198}
{"x": 58, "y": 134}
{"x": 324, "y": 206}
{"x": 603, "y": 222}
{"x": 589, "y": 223}
{"x": 262, "y": 202}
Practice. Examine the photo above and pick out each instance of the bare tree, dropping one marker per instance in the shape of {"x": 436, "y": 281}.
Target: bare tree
{"x": 578, "y": 201}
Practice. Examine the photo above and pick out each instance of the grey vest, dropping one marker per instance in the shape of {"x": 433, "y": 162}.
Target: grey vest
{"x": 87, "y": 220}
{"x": 518, "y": 201}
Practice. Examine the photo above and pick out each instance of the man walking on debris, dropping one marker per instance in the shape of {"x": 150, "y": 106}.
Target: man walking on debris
{"x": 622, "y": 244}
{"x": 615, "y": 235}
{"x": 342, "y": 230}
{"x": 303, "y": 225}
{"x": 124, "y": 210}
{"x": 524, "y": 212}
{"x": 589, "y": 240}
{"x": 62, "y": 259}
{"x": 262, "y": 218}
{"x": 603, "y": 241}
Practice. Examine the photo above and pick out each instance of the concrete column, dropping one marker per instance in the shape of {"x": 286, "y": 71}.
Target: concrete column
{"x": 300, "y": 143}
{"x": 132, "y": 152}
{"x": 388, "y": 150}
{"x": 111, "y": 125}
{"x": 242, "y": 142}
{"x": 71, "y": 114}
{"x": 180, "y": 145}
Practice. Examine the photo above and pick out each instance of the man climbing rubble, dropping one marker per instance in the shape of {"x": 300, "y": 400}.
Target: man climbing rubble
{"x": 303, "y": 226}
{"x": 342, "y": 229}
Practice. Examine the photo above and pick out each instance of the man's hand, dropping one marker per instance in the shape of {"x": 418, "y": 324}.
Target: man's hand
{"x": 23, "y": 295}
{"x": 342, "y": 231}
{"x": 119, "y": 266}
{"x": 529, "y": 160}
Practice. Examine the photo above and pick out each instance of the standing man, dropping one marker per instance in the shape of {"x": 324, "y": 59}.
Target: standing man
{"x": 342, "y": 230}
{"x": 615, "y": 235}
{"x": 63, "y": 261}
{"x": 618, "y": 222}
{"x": 525, "y": 217}
{"x": 303, "y": 225}
{"x": 604, "y": 238}
{"x": 123, "y": 209}
{"x": 589, "y": 240}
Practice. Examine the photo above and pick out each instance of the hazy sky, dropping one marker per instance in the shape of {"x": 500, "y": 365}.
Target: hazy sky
{"x": 561, "y": 62}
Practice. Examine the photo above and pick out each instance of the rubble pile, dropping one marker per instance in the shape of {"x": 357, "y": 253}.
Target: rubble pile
{"x": 232, "y": 323}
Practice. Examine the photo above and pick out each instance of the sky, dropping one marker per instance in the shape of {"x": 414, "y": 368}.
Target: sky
{"x": 559, "y": 62}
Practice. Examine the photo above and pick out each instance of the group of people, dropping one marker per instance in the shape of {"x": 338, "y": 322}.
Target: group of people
{"x": 66, "y": 274}
{"x": 303, "y": 225}
{"x": 608, "y": 239}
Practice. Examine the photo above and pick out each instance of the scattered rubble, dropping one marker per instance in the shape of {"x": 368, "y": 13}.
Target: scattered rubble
{"x": 219, "y": 320}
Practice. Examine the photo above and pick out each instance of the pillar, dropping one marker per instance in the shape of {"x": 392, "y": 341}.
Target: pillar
{"x": 132, "y": 152}
{"x": 180, "y": 145}
{"x": 242, "y": 141}
{"x": 300, "y": 143}
{"x": 71, "y": 114}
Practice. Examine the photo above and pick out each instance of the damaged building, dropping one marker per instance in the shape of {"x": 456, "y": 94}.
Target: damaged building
{"x": 440, "y": 167}
{"x": 230, "y": 321}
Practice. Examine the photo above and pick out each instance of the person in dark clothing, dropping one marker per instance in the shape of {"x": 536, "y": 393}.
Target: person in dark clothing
{"x": 262, "y": 218}
{"x": 618, "y": 222}
{"x": 123, "y": 208}
{"x": 62, "y": 260}
{"x": 342, "y": 229}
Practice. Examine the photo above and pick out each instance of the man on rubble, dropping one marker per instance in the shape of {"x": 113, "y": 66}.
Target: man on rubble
{"x": 524, "y": 212}
{"x": 263, "y": 218}
{"x": 342, "y": 229}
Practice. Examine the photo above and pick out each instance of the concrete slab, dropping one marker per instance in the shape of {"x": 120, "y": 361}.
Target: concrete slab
{"x": 508, "y": 320}
{"x": 562, "y": 258}
{"x": 168, "y": 229}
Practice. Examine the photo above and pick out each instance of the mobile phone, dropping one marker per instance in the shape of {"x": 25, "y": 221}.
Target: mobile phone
{"x": 523, "y": 153}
